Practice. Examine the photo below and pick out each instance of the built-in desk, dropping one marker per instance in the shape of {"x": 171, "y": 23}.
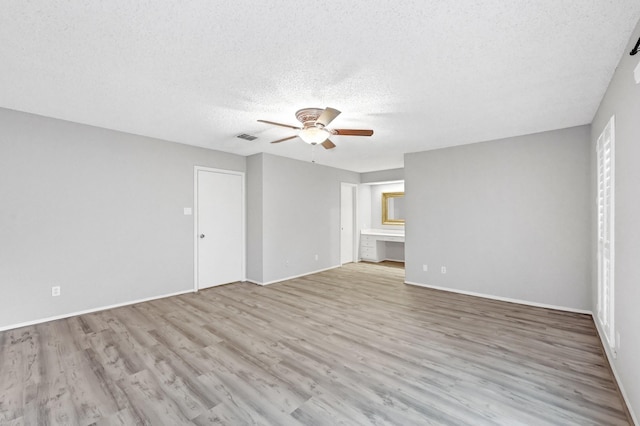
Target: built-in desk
{"x": 373, "y": 243}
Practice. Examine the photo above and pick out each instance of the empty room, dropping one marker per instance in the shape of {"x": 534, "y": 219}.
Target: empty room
{"x": 356, "y": 213}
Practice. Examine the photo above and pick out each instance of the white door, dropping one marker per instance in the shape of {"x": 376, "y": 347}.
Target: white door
{"x": 219, "y": 226}
{"x": 347, "y": 227}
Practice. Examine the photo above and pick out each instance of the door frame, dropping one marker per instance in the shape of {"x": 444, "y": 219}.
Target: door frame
{"x": 197, "y": 169}
{"x": 354, "y": 218}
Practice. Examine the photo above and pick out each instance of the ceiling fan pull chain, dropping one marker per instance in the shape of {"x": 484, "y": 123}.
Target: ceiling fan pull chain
{"x": 313, "y": 154}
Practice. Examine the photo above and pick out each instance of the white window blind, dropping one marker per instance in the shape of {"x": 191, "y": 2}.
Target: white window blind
{"x": 606, "y": 186}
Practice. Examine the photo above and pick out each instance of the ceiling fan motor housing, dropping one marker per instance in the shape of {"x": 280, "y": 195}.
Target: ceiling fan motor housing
{"x": 309, "y": 116}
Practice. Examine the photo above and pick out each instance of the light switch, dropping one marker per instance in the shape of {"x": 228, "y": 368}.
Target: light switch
{"x": 187, "y": 211}
{"x": 636, "y": 73}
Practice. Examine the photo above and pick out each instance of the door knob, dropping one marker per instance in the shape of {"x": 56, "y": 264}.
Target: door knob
{"x": 201, "y": 235}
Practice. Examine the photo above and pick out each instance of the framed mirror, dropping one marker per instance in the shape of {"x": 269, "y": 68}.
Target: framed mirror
{"x": 393, "y": 208}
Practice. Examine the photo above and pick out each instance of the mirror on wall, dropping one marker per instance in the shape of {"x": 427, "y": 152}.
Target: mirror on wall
{"x": 393, "y": 208}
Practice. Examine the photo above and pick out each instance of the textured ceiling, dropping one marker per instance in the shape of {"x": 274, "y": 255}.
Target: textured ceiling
{"x": 422, "y": 74}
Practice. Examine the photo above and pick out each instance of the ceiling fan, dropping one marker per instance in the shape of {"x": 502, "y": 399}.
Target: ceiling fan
{"x": 314, "y": 127}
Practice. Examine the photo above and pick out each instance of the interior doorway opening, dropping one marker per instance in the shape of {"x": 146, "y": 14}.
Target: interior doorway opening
{"x": 348, "y": 223}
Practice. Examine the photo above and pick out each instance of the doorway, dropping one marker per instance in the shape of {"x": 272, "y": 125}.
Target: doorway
{"x": 219, "y": 243}
{"x": 348, "y": 203}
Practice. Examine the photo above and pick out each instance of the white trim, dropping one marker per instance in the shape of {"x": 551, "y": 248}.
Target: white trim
{"x": 610, "y": 358}
{"x": 89, "y": 311}
{"x": 242, "y": 175}
{"x": 293, "y": 276}
{"x": 504, "y": 299}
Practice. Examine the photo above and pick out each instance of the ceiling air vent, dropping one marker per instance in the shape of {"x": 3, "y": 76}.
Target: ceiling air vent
{"x": 247, "y": 137}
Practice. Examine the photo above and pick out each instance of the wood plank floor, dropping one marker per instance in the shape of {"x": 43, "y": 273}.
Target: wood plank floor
{"x": 349, "y": 346}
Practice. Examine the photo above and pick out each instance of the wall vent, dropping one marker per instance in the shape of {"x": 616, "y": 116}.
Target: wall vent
{"x": 247, "y": 137}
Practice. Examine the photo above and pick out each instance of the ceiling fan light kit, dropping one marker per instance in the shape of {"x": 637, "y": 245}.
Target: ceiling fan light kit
{"x": 314, "y": 127}
{"x": 314, "y": 135}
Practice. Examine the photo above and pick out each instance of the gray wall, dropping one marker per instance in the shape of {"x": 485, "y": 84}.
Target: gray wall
{"x": 300, "y": 216}
{"x": 382, "y": 176}
{"x": 364, "y": 207}
{"x": 97, "y": 212}
{"x": 622, "y": 99}
{"x": 508, "y": 218}
{"x": 255, "y": 264}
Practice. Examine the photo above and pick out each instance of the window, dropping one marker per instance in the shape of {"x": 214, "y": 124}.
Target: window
{"x": 606, "y": 186}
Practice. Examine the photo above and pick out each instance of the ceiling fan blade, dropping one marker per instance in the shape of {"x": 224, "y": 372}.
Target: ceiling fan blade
{"x": 352, "y": 132}
{"x": 328, "y": 144}
{"x": 327, "y": 116}
{"x": 285, "y": 139}
{"x": 279, "y": 124}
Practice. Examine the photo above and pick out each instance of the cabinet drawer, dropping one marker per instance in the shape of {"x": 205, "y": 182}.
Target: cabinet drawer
{"x": 367, "y": 253}
{"x": 367, "y": 241}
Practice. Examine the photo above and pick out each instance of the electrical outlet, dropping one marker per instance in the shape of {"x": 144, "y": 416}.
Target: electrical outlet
{"x": 443, "y": 269}
{"x": 424, "y": 268}
{"x": 286, "y": 263}
{"x": 55, "y": 290}
{"x": 316, "y": 257}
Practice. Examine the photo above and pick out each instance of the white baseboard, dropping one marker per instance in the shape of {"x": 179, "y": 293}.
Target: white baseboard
{"x": 503, "y": 299}
{"x": 89, "y": 311}
{"x": 279, "y": 280}
{"x": 611, "y": 358}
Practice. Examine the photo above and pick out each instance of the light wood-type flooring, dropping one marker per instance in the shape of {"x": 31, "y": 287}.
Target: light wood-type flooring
{"x": 350, "y": 346}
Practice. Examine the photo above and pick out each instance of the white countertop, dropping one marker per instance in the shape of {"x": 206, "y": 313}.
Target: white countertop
{"x": 383, "y": 232}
